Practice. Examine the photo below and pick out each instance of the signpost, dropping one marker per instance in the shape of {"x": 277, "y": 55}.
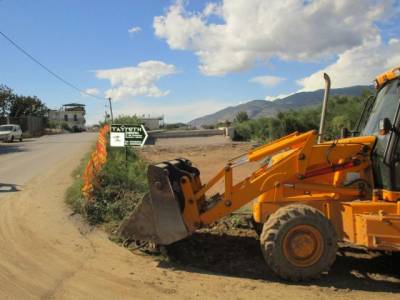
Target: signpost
{"x": 127, "y": 135}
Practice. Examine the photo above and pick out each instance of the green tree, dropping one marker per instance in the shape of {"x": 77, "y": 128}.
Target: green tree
{"x": 127, "y": 120}
{"x": 26, "y": 106}
{"x": 243, "y": 131}
{"x": 5, "y": 100}
{"x": 241, "y": 117}
{"x": 13, "y": 105}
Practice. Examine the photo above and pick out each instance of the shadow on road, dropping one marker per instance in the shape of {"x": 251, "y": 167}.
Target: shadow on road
{"x": 240, "y": 256}
{"x": 8, "y": 188}
{"x": 12, "y": 148}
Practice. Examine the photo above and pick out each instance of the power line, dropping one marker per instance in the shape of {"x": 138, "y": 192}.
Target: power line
{"x": 71, "y": 85}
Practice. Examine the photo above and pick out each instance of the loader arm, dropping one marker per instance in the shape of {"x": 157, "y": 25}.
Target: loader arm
{"x": 290, "y": 159}
{"x": 237, "y": 195}
{"x": 178, "y": 203}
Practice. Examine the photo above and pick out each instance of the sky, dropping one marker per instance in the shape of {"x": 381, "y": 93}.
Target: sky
{"x": 185, "y": 59}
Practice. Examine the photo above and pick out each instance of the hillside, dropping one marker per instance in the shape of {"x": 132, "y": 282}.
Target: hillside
{"x": 263, "y": 108}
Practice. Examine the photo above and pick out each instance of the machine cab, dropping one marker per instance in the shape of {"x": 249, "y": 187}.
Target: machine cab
{"x": 384, "y": 123}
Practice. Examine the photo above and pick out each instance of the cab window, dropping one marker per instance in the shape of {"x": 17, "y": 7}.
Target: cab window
{"x": 385, "y": 106}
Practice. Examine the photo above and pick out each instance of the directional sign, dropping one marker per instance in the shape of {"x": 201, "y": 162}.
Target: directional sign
{"x": 127, "y": 135}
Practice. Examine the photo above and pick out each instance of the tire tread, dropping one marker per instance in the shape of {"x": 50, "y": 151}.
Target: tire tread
{"x": 269, "y": 240}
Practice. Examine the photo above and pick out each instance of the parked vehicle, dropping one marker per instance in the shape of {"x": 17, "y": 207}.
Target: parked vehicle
{"x": 10, "y": 133}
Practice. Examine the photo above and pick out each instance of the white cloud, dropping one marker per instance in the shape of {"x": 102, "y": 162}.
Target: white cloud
{"x": 233, "y": 35}
{"x": 91, "y": 91}
{"x": 267, "y": 80}
{"x": 134, "y": 29}
{"x": 357, "y": 66}
{"x": 212, "y": 9}
{"x": 136, "y": 81}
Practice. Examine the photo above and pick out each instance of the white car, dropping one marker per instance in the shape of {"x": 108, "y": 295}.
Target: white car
{"x": 10, "y": 133}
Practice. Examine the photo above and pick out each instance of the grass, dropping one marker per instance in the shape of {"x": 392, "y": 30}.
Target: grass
{"x": 118, "y": 188}
{"x": 73, "y": 195}
{"x": 121, "y": 184}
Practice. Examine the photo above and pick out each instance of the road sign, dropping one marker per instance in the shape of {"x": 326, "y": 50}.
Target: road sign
{"x": 127, "y": 135}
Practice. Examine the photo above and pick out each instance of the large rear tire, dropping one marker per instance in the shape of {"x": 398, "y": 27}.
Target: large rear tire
{"x": 298, "y": 243}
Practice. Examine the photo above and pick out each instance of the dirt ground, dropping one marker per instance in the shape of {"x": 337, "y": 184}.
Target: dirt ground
{"x": 47, "y": 253}
{"x": 231, "y": 248}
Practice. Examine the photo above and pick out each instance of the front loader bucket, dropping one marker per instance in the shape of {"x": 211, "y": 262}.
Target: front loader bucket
{"x": 158, "y": 216}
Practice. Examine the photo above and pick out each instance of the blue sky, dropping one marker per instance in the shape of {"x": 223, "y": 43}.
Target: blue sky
{"x": 189, "y": 58}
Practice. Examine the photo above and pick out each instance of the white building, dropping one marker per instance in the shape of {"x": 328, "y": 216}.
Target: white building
{"x": 152, "y": 123}
{"x": 72, "y": 114}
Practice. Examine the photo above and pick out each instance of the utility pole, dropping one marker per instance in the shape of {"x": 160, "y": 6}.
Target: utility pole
{"x": 59, "y": 116}
{"x": 111, "y": 112}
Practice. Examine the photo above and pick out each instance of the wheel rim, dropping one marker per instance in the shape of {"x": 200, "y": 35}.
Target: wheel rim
{"x": 303, "y": 245}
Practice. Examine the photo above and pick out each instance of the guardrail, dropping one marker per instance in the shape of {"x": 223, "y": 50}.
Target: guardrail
{"x": 97, "y": 159}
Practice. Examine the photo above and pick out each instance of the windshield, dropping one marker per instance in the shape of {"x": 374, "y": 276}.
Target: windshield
{"x": 6, "y": 128}
{"x": 385, "y": 106}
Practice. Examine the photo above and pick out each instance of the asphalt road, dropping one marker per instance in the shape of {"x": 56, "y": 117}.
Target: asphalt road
{"x": 22, "y": 161}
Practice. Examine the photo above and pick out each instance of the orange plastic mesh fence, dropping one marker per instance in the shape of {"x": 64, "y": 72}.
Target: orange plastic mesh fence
{"x": 97, "y": 159}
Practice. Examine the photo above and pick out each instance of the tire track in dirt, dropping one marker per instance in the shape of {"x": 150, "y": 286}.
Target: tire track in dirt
{"x": 47, "y": 253}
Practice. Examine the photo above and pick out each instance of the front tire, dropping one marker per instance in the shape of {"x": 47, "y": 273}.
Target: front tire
{"x": 11, "y": 139}
{"x": 298, "y": 243}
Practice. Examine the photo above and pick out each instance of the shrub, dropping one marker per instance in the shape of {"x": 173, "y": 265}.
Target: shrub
{"x": 53, "y": 124}
{"x": 120, "y": 185}
{"x": 243, "y": 131}
{"x": 127, "y": 120}
{"x": 66, "y": 127}
{"x": 212, "y": 126}
{"x": 73, "y": 196}
{"x": 241, "y": 117}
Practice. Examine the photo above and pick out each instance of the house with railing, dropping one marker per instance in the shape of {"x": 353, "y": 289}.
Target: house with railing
{"x": 72, "y": 114}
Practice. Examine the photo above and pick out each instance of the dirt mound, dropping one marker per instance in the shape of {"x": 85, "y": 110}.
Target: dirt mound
{"x": 220, "y": 253}
{"x": 231, "y": 249}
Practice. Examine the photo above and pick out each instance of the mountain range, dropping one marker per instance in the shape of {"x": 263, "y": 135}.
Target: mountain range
{"x": 264, "y": 108}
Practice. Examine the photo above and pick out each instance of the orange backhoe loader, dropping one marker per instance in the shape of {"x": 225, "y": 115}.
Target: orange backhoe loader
{"x": 309, "y": 193}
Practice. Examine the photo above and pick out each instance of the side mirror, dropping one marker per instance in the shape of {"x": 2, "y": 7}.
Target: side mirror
{"x": 384, "y": 126}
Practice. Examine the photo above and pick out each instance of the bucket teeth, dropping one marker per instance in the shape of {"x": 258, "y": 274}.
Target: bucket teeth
{"x": 158, "y": 216}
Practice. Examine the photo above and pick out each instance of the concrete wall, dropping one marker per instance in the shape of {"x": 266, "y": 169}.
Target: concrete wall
{"x": 170, "y": 134}
{"x": 35, "y": 126}
{"x": 161, "y": 134}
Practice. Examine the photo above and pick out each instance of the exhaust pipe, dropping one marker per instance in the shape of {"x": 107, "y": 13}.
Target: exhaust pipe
{"x": 321, "y": 131}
